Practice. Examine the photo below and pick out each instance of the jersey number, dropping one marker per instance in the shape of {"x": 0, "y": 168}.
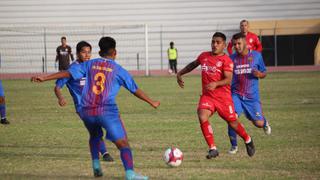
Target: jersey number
{"x": 99, "y": 79}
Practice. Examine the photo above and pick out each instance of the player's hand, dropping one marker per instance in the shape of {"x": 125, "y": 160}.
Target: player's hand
{"x": 155, "y": 104}
{"x": 180, "y": 81}
{"x": 211, "y": 86}
{"x": 62, "y": 102}
{"x": 256, "y": 73}
{"x": 37, "y": 79}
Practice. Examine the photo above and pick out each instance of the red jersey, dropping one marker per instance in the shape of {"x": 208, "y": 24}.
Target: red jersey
{"x": 212, "y": 70}
{"x": 253, "y": 43}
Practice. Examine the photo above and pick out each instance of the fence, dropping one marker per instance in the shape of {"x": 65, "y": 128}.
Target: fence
{"x": 33, "y": 49}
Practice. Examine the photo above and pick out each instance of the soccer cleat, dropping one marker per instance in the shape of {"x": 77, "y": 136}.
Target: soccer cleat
{"x": 131, "y": 175}
{"x": 212, "y": 153}
{"x": 233, "y": 150}
{"x": 97, "y": 172}
{"x": 4, "y": 121}
{"x": 250, "y": 148}
{"x": 107, "y": 157}
{"x": 267, "y": 129}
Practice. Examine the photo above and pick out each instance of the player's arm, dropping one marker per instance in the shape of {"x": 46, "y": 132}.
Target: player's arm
{"x": 143, "y": 96}
{"x": 71, "y": 55}
{"x": 229, "y": 47}
{"x": 258, "y": 45}
{"x": 226, "y": 81}
{"x": 58, "y": 75}
{"x": 191, "y": 66}
{"x": 57, "y": 56}
{"x": 58, "y": 93}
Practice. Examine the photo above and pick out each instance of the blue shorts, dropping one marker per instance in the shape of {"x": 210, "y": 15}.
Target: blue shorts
{"x": 110, "y": 121}
{"x": 250, "y": 107}
{"x": 1, "y": 90}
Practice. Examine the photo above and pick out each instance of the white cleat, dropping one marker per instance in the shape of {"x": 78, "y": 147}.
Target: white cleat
{"x": 233, "y": 150}
{"x": 267, "y": 129}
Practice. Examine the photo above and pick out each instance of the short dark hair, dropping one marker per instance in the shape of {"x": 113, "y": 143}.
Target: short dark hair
{"x": 219, "y": 34}
{"x": 106, "y": 44}
{"x": 171, "y": 43}
{"x": 244, "y": 20}
{"x": 63, "y": 37}
{"x": 82, "y": 44}
{"x": 238, "y": 36}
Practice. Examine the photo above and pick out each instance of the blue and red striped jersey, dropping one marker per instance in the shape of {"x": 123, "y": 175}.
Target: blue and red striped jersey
{"x": 244, "y": 82}
{"x": 104, "y": 78}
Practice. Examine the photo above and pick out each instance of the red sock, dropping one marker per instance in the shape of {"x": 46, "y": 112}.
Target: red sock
{"x": 242, "y": 132}
{"x": 207, "y": 133}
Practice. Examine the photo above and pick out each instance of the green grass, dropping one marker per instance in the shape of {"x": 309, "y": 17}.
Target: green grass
{"x": 45, "y": 141}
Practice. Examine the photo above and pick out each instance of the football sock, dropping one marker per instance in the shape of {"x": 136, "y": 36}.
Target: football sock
{"x": 242, "y": 133}
{"x": 94, "y": 147}
{"x": 208, "y": 133}
{"x": 103, "y": 148}
{"x": 265, "y": 122}
{"x": 126, "y": 157}
{"x": 232, "y": 136}
{"x": 3, "y": 111}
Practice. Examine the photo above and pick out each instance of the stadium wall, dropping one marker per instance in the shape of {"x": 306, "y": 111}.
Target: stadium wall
{"x": 189, "y": 24}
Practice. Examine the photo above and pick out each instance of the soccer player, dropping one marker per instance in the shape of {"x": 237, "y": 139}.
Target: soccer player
{"x": 216, "y": 74}
{"x": 64, "y": 53}
{"x": 98, "y": 105}
{"x": 253, "y": 42}
{"x": 3, "y": 106}
{"x": 248, "y": 69}
{"x": 75, "y": 88}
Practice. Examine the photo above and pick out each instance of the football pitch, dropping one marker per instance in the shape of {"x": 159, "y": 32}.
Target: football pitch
{"x": 45, "y": 141}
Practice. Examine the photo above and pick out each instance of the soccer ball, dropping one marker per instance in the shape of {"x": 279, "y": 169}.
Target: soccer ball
{"x": 173, "y": 157}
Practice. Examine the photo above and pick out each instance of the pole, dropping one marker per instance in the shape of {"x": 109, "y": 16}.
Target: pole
{"x": 45, "y": 50}
{"x": 275, "y": 48}
{"x": 138, "y": 68}
{"x": 146, "y": 48}
{"x": 42, "y": 64}
{"x": 161, "y": 47}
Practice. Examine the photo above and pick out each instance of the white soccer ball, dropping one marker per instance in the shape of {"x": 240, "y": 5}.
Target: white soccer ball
{"x": 173, "y": 157}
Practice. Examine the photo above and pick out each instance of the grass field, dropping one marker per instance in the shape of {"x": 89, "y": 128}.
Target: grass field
{"x": 45, "y": 141}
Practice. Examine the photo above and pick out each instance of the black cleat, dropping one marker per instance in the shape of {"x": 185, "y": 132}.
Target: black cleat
{"x": 4, "y": 121}
{"x": 212, "y": 153}
{"x": 250, "y": 148}
{"x": 107, "y": 157}
{"x": 97, "y": 173}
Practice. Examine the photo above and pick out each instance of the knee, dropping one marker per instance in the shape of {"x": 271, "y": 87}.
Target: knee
{"x": 233, "y": 124}
{"x": 122, "y": 143}
{"x": 259, "y": 123}
{"x": 2, "y": 100}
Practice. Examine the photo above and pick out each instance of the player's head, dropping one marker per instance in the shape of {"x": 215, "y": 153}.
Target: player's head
{"x": 239, "y": 43}
{"x": 244, "y": 26}
{"x": 171, "y": 44}
{"x": 83, "y": 51}
{"x": 107, "y": 47}
{"x": 63, "y": 40}
{"x": 218, "y": 43}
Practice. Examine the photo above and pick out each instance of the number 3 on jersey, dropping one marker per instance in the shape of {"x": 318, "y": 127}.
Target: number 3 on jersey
{"x": 99, "y": 79}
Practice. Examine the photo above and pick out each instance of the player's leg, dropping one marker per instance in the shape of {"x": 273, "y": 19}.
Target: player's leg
{"x": 116, "y": 133}
{"x": 104, "y": 152}
{"x": 95, "y": 132}
{"x": 205, "y": 110}
{"x": 171, "y": 66}
{"x": 226, "y": 111}
{"x": 232, "y": 133}
{"x": 2, "y": 106}
{"x": 253, "y": 111}
{"x": 175, "y": 66}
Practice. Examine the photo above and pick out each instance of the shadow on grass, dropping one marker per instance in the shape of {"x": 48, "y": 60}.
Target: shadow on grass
{"x": 9, "y": 176}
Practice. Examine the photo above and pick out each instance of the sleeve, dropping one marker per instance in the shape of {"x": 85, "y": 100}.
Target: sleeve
{"x": 61, "y": 82}
{"x": 261, "y": 66}
{"x": 228, "y": 64}
{"x": 229, "y": 47}
{"x": 78, "y": 71}
{"x": 126, "y": 80}
{"x": 258, "y": 44}
{"x": 200, "y": 57}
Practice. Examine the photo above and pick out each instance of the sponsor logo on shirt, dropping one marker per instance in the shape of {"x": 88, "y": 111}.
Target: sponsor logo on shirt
{"x": 209, "y": 69}
{"x": 102, "y": 68}
{"x": 206, "y": 104}
{"x": 243, "y": 69}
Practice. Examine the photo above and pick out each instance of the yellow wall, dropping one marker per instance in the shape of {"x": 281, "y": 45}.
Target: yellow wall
{"x": 286, "y": 27}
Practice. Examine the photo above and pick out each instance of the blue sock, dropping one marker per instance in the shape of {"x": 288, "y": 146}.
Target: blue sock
{"x": 103, "y": 148}
{"x": 94, "y": 147}
{"x": 233, "y": 136}
{"x": 126, "y": 157}
{"x": 3, "y": 111}
{"x": 265, "y": 122}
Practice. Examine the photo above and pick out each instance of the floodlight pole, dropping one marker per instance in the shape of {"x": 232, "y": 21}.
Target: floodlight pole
{"x": 146, "y": 48}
